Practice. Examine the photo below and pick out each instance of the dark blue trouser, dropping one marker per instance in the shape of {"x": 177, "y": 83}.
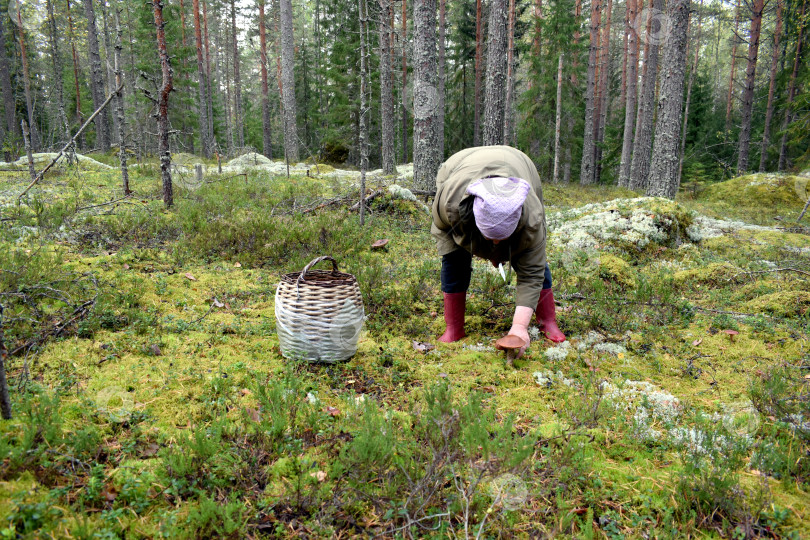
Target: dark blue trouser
{"x": 457, "y": 270}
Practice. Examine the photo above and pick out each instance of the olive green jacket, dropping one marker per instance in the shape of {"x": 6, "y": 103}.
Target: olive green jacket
{"x": 454, "y": 224}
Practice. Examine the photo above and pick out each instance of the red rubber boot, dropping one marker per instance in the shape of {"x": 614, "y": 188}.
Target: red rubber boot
{"x": 547, "y": 318}
{"x": 454, "y": 306}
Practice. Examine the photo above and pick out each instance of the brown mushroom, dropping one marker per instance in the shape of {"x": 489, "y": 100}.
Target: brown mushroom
{"x": 731, "y": 334}
{"x": 511, "y": 344}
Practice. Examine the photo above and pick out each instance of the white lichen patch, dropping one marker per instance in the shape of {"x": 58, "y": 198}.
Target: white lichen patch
{"x": 646, "y": 404}
{"x": 558, "y": 353}
{"x": 547, "y": 379}
{"x": 705, "y": 227}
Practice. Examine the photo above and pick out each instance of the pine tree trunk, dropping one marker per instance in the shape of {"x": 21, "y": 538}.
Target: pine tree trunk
{"x": 586, "y": 173}
{"x": 108, "y": 54}
{"x": 209, "y": 96}
{"x": 426, "y": 158}
{"x": 509, "y": 113}
{"x": 364, "y": 112}
{"x": 9, "y": 106}
{"x": 766, "y": 133}
{"x": 119, "y": 104}
{"x": 537, "y": 40}
{"x": 56, "y": 61}
{"x": 266, "y": 124}
{"x": 403, "y": 93}
{"x": 642, "y": 143}
{"x": 76, "y": 77}
{"x": 5, "y": 402}
{"x": 626, "y": 33}
{"x": 440, "y": 84}
{"x": 479, "y": 70}
{"x": 664, "y": 167}
{"x": 97, "y": 79}
{"x": 386, "y": 89}
{"x": 735, "y": 44}
{"x": 558, "y": 121}
{"x": 495, "y": 93}
{"x": 202, "y": 101}
{"x": 783, "y": 157}
{"x": 631, "y": 97}
{"x": 29, "y": 98}
{"x": 288, "y": 82}
{"x": 163, "y": 106}
{"x": 758, "y": 6}
{"x": 230, "y": 109}
{"x": 604, "y": 91}
{"x": 238, "y": 120}
{"x": 574, "y": 84}
{"x": 692, "y": 73}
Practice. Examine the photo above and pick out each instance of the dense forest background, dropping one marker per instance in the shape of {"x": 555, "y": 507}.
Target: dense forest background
{"x": 588, "y": 90}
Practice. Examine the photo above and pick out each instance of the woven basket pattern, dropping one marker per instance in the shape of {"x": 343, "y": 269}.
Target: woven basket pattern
{"x": 319, "y": 314}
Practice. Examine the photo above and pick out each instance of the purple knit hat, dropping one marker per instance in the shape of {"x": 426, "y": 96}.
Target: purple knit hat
{"x": 497, "y": 206}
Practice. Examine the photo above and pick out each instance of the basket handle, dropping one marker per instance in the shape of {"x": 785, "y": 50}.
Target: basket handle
{"x": 313, "y": 262}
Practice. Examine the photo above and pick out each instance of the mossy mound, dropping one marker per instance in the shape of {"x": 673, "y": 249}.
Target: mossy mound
{"x": 41, "y": 160}
{"x": 767, "y": 190}
{"x": 713, "y": 274}
{"x": 614, "y": 269}
{"x": 783, "y": 304}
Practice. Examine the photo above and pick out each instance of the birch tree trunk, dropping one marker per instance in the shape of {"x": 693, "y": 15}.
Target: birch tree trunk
{"x": 202, "y": 100}
{"x": 288, "y": 81}
{"x": 783, "y": 157}
{"x": 56, "y": 61}
{"x": 642, "y": 143}
{"x": 386, "y": 89}
{"x": 494, "y": 98}
{"x": 664, "y": 167}
{"x": 119, "y": 104}
{"x": 757, "y": 7}
{"x": 238, "y": 120}
{"x": 163, "y": 106}
{"x": 586, "y": 173}
{"x": 766, "y": 132}
{"x": 558, "y": 120}
{"x": 426, "y": 158}
{"x": 479, "y": 70}
{"x": 630, "y": 97}
{"x": 267, "y": 147}
{"x": 97, "y": 79}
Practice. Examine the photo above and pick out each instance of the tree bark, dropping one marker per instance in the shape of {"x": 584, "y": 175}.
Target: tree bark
{"x": 209, "y": 96}
{"x": 32, "y": 172}
{"x": 440, "y": 80}
{"x": 586, "y": 173}
{"x": 757, "y": 7}
{"x": 9, "y": 106}
{"x": 56, "y": 61}
{"x": 426, "y": 159}
{"x": 363, "y": 12}
{"x": 77, "y": 90}
{"x": 108, "y": 54}
{"x": 626, "y": 33}
{"x": 495, "y": 93}
{"x": 267, "y": 146}
{"x": 537, "y": 41}
{"x": 403, "y": 94}
{"x": 558, "y": 121}
{"x": 479, "y": 70}
{"x": 664, "y": 167}
{"x": 509, "y": 116}
{"x": 766, "y": 132}
{"x": 630, "y": 97}
{"x": 288, "y": 82}
{"x": 386, "y": 89}
{"x": 5, "y": 402}
{"x": 119, "y": 104}
{"x": 202, "y": 100}
{"x": 97, "y": 79}
{"x": 735, "y": 43}
{"x": 783, "y": 157}
{"x": 692, "y": 73}
{"x": 642, "y": 143}
{"x": 574, "y": 84}
{"x": 29, "y": 98}
{"x": 238, "y": 121}
{"x": 163, "y": 106}
{"x": 604, "y": 91}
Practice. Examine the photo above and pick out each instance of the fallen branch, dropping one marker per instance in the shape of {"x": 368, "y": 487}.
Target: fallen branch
{"x": 5, "y": 401}
{"x": 70, "y": 143}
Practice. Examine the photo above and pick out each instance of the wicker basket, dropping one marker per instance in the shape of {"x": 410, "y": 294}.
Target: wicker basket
{"x": 319, "y": 314}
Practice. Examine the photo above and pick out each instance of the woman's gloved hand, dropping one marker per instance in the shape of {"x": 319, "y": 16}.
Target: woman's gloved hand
{"x": 520, "y": 326}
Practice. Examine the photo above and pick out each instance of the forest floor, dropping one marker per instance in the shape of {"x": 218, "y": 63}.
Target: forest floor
{"x": 151, "y": 399}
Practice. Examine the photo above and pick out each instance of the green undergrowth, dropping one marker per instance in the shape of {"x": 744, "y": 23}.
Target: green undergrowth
{"x": 151, "y": 400}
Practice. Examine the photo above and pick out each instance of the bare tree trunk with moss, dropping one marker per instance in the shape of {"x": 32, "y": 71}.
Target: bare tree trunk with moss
{"x": 586, "y": 172}
{"x": 426, "y": 159}
{"x": 494, "y": 97}
{"x": 791, "y": 94}
{"x": 266, "y": 124}
{"x": 386, "y": 88}
{"x": 119, "y": 104}
{"x": 558, "y": 120}
{"x": 630, "y": 96}
{"x": 56, "y": 62}
{"x": 163, "y": 106}
{"x": 96, "y": 79}
{"x": 288, "y": 81}
{"x": 757, "y": 7}
{"x": 363, "y": 135}
{"x": 664, "y": 167}
{"x": 642, "y": 143}
{"x": 766, "y": 132}
{"x": 5, "y": 400}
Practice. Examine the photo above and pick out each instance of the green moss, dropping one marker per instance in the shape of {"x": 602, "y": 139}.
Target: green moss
{"x": 783, "y": 304}
{"x": 715, "y": 274}
{"x": 763, "y": 190}
{"x": 617, "y": 270}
